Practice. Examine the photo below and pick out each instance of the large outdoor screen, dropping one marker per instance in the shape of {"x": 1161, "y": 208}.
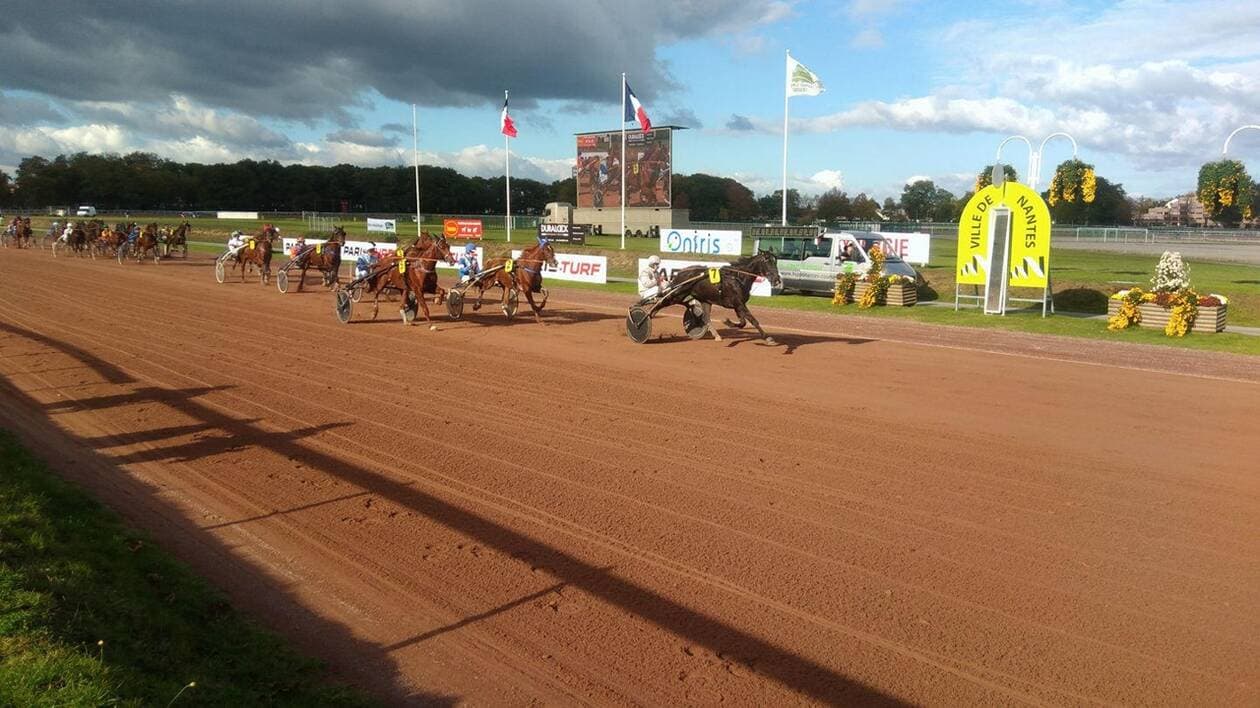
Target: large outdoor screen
{"x": 648, "y": 170}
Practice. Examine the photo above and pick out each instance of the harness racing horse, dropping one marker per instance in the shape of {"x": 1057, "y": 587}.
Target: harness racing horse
{"x": 76, "y": 241}
{"x": 523, "y": 274}
{"x": 146, "y": 245}
{"x": 178, "y": 239}
{"x": 728, "y": 286}
{"x": 108, "y": 243}
{"x": 23, "y": 237}
{"x": 324, "y": 257}
{"x": 257, "y": 253}
{"x": 413, "y": 276}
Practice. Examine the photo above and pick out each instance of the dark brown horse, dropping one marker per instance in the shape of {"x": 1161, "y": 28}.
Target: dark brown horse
{"x": 145, "y": 246}
{"x": 523, "y": 274}
{"x": 324, "y": 257}
{"x": 410, "y": 275}
{"x": 76, "y": 241}
{"x": 23, "y": 237}
{"x": 257, "y": 253}
{"x": 728, "y": 286}
{"x": 178, "y": 239}
{"x": 108, "y": 243}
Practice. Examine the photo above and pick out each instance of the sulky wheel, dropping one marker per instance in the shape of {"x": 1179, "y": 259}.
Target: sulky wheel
{"x": 409, "y": 309}
{"x": 282, "y": 281}
{"x": 513, "y": 301}
{"x": 638, "y": 325}
{"x": 344, "y": 306}
{"x": 356, "y": 292}
{"x": 220, "y": 271}
{"x": 455, "y": 304}
{"x": 695, "y": 322}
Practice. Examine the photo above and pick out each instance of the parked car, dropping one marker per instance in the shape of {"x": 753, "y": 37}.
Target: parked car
{"x": 85, "y": 211}
{"x": 811, "y": 264}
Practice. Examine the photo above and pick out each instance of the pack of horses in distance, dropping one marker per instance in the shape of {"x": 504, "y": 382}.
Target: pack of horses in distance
{"x": 409, "y": 274}
{"x": 96, "y": 239}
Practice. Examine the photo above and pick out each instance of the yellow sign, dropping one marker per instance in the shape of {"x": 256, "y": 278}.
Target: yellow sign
{"x": 973, "y": 236}
{"x": 1030, "y": 237}
{"x": 508, "y": 265}
{"x": 715, "y": 275}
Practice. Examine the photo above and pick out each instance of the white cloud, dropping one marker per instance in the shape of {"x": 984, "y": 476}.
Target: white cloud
{"x": 828, "y": 179}
{"x": 869, "y": 38}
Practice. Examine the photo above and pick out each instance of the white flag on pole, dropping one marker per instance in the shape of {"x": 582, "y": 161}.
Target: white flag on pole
{"x": 801, "y": 81}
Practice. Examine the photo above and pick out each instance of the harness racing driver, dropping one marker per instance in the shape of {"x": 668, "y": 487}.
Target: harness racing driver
{"x": 468, "y": 266}
{"x": 652, "y": 280}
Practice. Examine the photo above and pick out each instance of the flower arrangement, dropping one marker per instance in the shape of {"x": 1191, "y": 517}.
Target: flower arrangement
{"x": 1183, "y": 308}
{"x": 1129, "y": 313}
{"x": 1172, "y": 274}
{"x": 876, "y": 282}
{"x": 1181, "y": 313}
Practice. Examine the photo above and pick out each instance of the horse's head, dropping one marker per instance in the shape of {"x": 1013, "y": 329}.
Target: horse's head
{"x": 444, "y": 248}
{"x": 767, "y": 264}
{"x": 547, "y": 253}
{"x": 338, "y": 235}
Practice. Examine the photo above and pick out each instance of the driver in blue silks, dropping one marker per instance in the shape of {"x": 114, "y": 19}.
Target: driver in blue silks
{"x": 468, "y": 266}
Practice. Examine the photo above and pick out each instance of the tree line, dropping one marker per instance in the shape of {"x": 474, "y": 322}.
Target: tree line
{"x": 142, "y": 181}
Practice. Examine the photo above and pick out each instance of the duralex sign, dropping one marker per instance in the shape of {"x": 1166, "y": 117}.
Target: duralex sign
{"x": 714, "y": 243}
{"x": 578, "y": 267}
{"x": 462, "y": 228}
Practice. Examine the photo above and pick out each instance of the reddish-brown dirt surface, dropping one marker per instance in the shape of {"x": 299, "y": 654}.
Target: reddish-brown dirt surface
{"x": 497, "y": 513}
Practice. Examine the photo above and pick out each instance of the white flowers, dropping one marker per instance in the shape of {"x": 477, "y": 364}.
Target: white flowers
{"x": 1172, "y": 274}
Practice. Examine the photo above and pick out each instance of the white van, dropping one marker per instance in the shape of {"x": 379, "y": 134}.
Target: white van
{"x": 86, "y": 211}
{"x": 811, "y": 264}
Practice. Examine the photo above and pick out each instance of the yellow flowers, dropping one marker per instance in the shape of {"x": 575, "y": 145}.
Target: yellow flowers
{"x": 1073, "y": 181}
{"x": 1181, "y": 315}
{"x": 1089, "y": 186}
{"x": 1129, "y": 314}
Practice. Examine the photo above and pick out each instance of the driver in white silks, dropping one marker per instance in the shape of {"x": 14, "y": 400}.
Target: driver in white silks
{"x": 652, "y": 280}
{"x": 236, "y": 241}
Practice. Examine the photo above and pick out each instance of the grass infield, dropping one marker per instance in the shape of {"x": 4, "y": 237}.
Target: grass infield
{"x": 71, "y": 575}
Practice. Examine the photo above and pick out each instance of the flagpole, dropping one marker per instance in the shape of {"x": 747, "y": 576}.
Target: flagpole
{"x": 783, "y": 219}
{"x": 623, "y": 160}
{"x": 415, "y": 160}
{"x": 507, "y": 175}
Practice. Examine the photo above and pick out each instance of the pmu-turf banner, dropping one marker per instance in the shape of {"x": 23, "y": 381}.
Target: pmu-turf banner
{"x": 579, "y": 267}
{"x": 1030, "y": 237}
{"x": 973, "y": 236}
{"x": 760, "y": 288}
{"x": 389, "y": 226}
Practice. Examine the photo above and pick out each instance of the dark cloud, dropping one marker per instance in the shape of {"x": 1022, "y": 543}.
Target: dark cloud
{"x": 362, "y": 137}
{"x": 681, "y": 116}
{"x": 740, "y": 123}
{"x": 307, "y": 60}
{"x": 20, "y": 110}
{"x": 396, "y": 128}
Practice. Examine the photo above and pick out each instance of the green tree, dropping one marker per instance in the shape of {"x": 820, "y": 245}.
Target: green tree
{"x": 918, "y": 200}
{"x": 944, "y": 206}
{"x": 985, "y": 177}
{"x": 1226, "y": 192}
{"x": 833, "y": 206}
{"x": 865, "y": 208}
{"x": 1111, "y": 207}
{"x": 771, "y": 205}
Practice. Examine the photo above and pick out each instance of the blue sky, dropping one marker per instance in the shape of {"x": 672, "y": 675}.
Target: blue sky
{"x": 914, "y": 88}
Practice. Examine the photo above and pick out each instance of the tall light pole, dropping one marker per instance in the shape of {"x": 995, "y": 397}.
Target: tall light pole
{"x": 1035, "y": 176}
{"x": 1225, "y": 147}
{"x": 998, "y": 176}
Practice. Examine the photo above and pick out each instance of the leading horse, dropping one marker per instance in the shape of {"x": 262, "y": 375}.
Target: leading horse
{"x": 728, "y": 286}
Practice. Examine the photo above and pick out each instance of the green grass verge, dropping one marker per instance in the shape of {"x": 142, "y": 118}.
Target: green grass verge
{"x": 72, "y": 575}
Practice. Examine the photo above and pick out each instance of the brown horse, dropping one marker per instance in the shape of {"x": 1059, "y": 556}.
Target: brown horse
{"x": 23, "y": 237}
{"x": 146, "y": 245}
{"x": 523, "y": 274}
{"x": 76, "y": 241}
{"x": 257, "y": 253}
{"x": 324, "y": 257}
{"x": 410, "y": 275}
{"x": 178, "y": 239}
{"x": 108, "y": 243}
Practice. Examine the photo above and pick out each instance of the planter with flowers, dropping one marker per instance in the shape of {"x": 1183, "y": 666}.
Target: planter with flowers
{"x": 875, "y": 288}
{"x": 1171, "y": 304}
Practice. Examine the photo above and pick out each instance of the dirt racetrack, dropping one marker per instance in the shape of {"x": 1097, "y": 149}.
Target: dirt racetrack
{"x": 494, "y": 513}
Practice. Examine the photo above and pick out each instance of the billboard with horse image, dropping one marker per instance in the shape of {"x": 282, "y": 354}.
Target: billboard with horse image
{"x": 649, "y": 168}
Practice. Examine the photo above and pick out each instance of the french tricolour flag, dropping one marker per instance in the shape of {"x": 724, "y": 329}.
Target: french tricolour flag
{"x": 634, "y": 111}
{"x": 506, "y": 125}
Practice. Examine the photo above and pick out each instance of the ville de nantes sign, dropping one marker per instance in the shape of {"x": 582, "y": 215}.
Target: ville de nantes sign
{"x": 1029, "y": 234}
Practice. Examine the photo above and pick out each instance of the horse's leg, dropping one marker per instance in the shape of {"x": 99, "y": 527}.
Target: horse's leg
{"x": 529, "y": 296}
{"x": 745, "y": 313}
{"x": 302, "y": 279}
{"x": 708, "y": 317}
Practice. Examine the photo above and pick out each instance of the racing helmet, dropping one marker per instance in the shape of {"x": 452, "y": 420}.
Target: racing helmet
{"x": 654, "y": 260}
{"x": 470, "y": 249}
